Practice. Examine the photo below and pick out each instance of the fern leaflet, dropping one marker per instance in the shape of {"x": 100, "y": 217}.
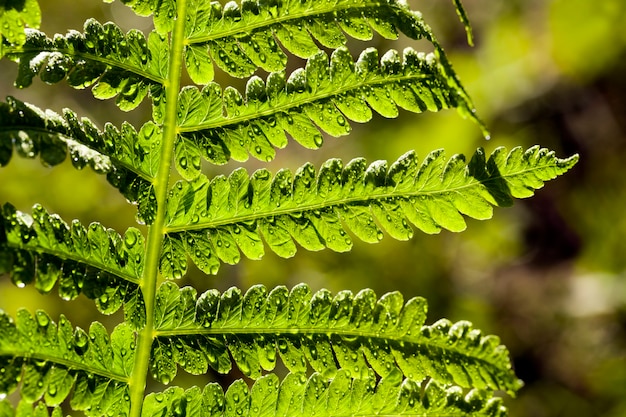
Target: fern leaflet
{"x": 355, "y": 333}
{"x": 297, "y": 395}
{"x": 211, "y": 221}
{"x": 120, "y": 65}
{"x": 55, "y": 362}
{"x": 94, "y": 261}
{"x": 14, "y": 17}
{"x": 327, "y": 95}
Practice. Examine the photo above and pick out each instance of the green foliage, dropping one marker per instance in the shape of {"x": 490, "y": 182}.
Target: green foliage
{"x": 345, "y": 354}
{"x": 208, "y": 219}
{"x": 14, "y": 15}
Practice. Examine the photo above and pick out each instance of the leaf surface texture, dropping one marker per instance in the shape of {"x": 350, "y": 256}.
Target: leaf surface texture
{"x": 125, "y": 66}
{"x": 106, "y": 267}
{"x": 128, "y": 158}
{"x": 350, "y": 332}
{"x": 323, "y": 97}
{"x": 55, "y": 362}
{"x": 296, "y": 395}
{"x": 215, "y": 221}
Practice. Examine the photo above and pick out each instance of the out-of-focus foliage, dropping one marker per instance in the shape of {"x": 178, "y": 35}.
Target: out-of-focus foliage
{"x": 549, "y": 276}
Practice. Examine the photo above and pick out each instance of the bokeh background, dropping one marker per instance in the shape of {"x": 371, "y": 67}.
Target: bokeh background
{"x": 547, "y": 275}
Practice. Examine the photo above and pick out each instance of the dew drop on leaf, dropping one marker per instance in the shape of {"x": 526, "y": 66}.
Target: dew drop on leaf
{"x": 196, "y": 162}
{"x": 42, "y": 319}
{"x": 130, "y": 239}
{"x": 80, "y": 341}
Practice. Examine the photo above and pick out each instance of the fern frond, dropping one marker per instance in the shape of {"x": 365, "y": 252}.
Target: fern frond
{"x": 211, "y": 221}
{"x": 99, "y": 263}
{"x": 126, "y": 66}
{"x": 33, "y": 131}
{"x": 128, "y": 158}
{"x": 323, "y": 95}
{"x": 239, "y": 38}
{"x": 329, "y": 333}
{"x": 14, "y": 18}
{"x": 54, "y": 362}
{"x": 298, "y": 396}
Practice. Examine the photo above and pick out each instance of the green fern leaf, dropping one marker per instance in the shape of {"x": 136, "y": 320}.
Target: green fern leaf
{"x": 96, "y": 262}
{"x": 14, "y": 18}
{"x": 297, "y": 395}
{"x": 126, "y": 66}
{"x": 208, "y": 220}
{"x": 323, "y": 95}
{"x": 243, "y": 37}
{"x": 127, "y": 157}
{"x": 33, "y": 131}
{"x": 329, "y": 333}
{"x": 54, "y": 362}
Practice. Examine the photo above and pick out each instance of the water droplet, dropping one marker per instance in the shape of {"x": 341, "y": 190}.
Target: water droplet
{"x": 42, "y": 319}
{"x": 130, "y": 239}
{"x": 81, "y": 341}
{"x": 196, "y": 162}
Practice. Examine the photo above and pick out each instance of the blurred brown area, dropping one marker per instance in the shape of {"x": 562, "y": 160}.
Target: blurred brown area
{"x": 547, "y": 275}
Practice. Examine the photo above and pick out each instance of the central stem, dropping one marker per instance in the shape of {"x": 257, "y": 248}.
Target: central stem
{"x": 157, "y": 229}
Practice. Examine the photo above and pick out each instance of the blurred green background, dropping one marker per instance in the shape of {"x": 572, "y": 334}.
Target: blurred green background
{"x": 547, "y": 275}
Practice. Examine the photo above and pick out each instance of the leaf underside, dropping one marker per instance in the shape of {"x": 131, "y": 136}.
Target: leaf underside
{"x": 128, "y": 158}
{"x": 357, "y": 333}
{"x": 99, "y": 263}
{"x": 54, "y": 362}
{"x": 218, "y": 220}
{"x": 341, "y": 335}
{"x": 297, "y": 395}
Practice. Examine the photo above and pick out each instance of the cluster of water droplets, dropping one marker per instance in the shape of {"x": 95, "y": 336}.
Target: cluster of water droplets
{"x": 12, "y": 28}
